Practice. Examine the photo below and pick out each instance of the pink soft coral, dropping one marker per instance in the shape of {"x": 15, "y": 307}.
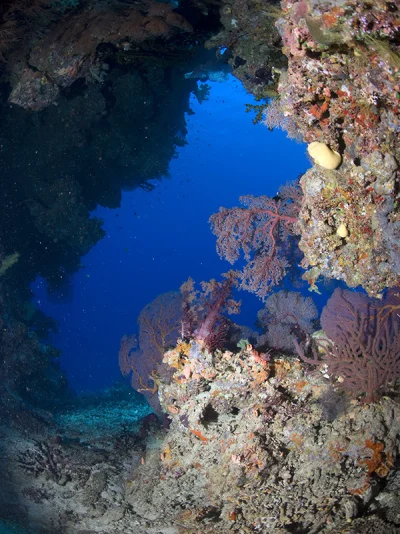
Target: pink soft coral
{"x": 202, "y": 310}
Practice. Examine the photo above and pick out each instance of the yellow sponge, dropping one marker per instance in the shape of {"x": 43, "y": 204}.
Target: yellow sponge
{"x": 324, "y": 156}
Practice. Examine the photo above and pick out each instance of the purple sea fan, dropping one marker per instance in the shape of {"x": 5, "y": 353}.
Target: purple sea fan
{"x": 159, "y": 327}
{"x": 159, "y": 324}
{"x": 364, "y": 342}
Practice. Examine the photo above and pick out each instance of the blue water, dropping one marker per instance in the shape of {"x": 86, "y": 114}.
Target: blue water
{"x": 157, "y": 239}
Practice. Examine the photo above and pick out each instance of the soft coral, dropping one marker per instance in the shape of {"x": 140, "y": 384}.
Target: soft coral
{"x": 202, "y": 310}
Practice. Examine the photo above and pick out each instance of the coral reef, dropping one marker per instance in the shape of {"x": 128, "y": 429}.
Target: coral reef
{"x": 342, "y": 79}
{"x": 339, "y": 92}
{"x": 254, "y": 445}
{"x": 255, "y": 442}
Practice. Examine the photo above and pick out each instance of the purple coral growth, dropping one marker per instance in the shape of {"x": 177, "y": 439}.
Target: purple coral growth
{"x": 364, "y": 342}
{"x": 262, "y": 231}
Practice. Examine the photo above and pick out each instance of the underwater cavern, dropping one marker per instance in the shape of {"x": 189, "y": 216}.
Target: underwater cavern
{"x": 200, "y": 266}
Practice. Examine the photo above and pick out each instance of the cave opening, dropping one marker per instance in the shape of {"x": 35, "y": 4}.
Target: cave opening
{"x": 157, "y": 239}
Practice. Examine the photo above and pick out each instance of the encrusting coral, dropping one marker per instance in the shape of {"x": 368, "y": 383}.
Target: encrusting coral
{"x": 348, "y": 224}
